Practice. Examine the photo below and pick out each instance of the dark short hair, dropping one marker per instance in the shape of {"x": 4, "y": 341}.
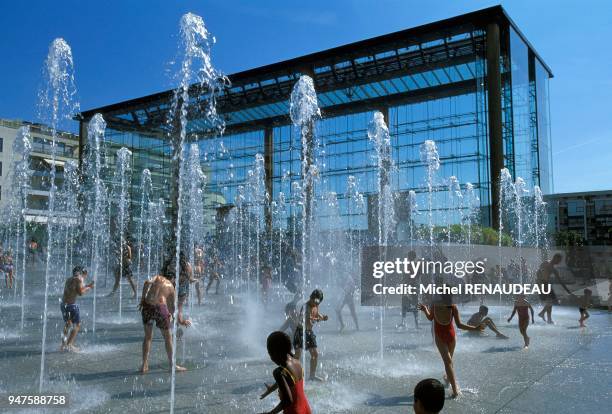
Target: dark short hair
{"x": 77, "y": 269}
{"x": 278, "y": 343}
{"x": 430, "y": 392}
{"x": 483, "y": 309}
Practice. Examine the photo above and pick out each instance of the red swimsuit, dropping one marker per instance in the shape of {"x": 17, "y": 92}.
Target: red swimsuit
{"x": 300, "y": 402}
{"x": 446, "y": 333}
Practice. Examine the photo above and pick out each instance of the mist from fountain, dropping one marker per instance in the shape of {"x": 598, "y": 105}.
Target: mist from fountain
{"x": 21, "y": 175}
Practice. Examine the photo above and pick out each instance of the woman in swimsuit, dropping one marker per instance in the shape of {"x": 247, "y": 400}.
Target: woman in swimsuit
{"x": 442, "y": 314}
{"x": 522, "y": 307}
{"x": 289, "y": 377}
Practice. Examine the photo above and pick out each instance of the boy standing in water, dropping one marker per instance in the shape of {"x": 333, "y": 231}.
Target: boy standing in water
{"x": 70, "y": 310}
{"x": 311, "y": 316}
{"x": 157, "y": 306}
{"x": 289, "y": 377}
{"x": 348, "y": 299}
{"x": 522, "y": 307}
{"x": 585, "y": 304}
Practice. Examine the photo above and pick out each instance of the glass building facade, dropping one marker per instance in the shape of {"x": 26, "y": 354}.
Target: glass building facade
{"x": 432, "y": 82}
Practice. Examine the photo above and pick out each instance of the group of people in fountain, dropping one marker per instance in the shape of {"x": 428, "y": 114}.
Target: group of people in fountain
{"x": 297, "y": 334}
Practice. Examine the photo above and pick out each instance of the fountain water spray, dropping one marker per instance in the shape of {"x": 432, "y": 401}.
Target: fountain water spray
{"x": 145, "y": 188}
{"x": 472, "y": 204}
{"x": 429, "y": 155}
{"x": 57, "y": 103}
{"x": 378, "y": 133}
{"x": 122, "y": 183}
{"x": 96, "y": 220}
{"x": 21, "y": 176}
{"x": 304, "y": 111}
{"x": 414, "y": 211}
{"x": 455, "y": 197}
{"x": 68, "y": 196}
{"x": 195, "y": 47}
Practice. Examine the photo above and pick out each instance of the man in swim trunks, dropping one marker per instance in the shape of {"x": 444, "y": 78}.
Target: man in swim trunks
{"x": 544, "y": 276}
{"x": 214, "y": 269}
{"x": 312, "y": 316}
{"x": 157, "y": 306}
{"x": 481, "y": 318}
{"x": 6, "y": 265}
{"x": 348, "y": 299}
{"x": 73, "y": 288}
{"x": 123, "y": 268}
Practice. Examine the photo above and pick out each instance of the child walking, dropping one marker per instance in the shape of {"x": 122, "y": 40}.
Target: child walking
{"x": 289, "y": 377}
{"x": 522, "y": 307}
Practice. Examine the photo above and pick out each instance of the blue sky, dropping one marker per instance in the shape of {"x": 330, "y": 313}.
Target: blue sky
{"x": 122, "y": 50}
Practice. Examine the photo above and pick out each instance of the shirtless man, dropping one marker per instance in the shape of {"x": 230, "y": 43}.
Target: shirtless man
{"x": 214, "y": 267}
{"x": 6, "y": 265}
{"x": 481, "y": 318}
{"x": 157, "y": 305}
{"x": 348, "y": 299}
{"x": 312, "y": 316}
{"x": 544, "y": 276}
{"x": 124, "y": 268}
{"x": 73, "y": 288}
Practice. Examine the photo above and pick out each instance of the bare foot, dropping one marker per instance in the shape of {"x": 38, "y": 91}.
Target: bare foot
{"x": 502, "y": 336}
{"x": 456, "y": 394}
{"x": 179, "y": 369}
{"x": 72, "y": 348}
{"x": 144, "y": 369}
{"x": 315, "y": 378}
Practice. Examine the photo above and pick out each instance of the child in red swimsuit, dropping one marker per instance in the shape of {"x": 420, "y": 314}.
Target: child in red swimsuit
{"x": 442, "y": 314}
{"x": 289, "y": 377}
{"x": 522, "y": 307}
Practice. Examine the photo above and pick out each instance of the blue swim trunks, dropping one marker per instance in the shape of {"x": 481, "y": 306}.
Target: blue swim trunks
{"x": 70, "y": 312}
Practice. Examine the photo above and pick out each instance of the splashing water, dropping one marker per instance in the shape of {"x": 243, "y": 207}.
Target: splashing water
{"x": 304, "y": 111}
{"x": 122, "y": 184}
{"x": 196, "y": 65}
{"x": 21, "y": 176}
{"x": 455, "y": 197}
{"x": 95, "y": 220}
{"x": 57, "y": 103}
{"x": 431, "y": 158}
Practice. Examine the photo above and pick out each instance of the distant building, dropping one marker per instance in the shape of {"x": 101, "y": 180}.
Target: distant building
{"x": 588, "y": 214}
{"x": 41, "y": 161}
